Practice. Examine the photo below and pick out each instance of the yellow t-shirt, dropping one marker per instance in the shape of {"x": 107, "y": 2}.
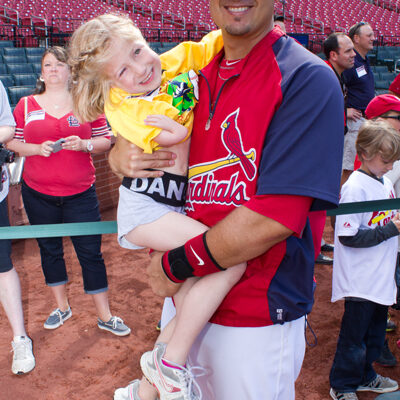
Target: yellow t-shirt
{"x": 126, "y": 112}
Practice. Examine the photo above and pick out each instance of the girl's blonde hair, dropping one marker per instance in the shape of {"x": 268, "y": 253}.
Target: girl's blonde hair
{"x": 89, "y": 53}
{"x": 378, "y": 137}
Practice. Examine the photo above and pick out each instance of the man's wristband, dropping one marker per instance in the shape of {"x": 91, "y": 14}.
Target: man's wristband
{"x": 192, "y": 259}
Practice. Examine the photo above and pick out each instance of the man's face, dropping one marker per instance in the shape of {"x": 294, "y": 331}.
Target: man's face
{"x": 248, "y": 18}
{"x": 365, "y": 38}
{"x": 345, "y": 55}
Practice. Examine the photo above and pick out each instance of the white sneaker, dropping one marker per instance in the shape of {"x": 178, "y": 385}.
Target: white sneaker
{"x": 129, "y": 392}
{"x": 171, "y": 383}
{"x": 23, "y": 359}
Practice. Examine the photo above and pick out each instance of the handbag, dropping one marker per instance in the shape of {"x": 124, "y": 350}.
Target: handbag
{"x": 16, "y": 168}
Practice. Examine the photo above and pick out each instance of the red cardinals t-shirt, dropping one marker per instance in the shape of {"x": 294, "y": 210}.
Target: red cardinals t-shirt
{"x": 66, "y": 172}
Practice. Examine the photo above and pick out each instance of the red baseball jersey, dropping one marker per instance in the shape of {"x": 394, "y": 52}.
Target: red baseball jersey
{"x": 275, "y": 127}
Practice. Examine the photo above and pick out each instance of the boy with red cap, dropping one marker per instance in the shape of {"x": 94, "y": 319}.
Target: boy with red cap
{"x": 364, "y": 265}
{"x": 394, "y": 87}
{"x": 387, "y": 106}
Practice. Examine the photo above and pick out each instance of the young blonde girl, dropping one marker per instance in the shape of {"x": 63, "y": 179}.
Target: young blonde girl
{"x": 149, "y": 100}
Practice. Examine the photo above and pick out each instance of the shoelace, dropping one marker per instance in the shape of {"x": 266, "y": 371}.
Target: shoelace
{"x": 115, "y": 321}
{"x": 60, "y": 314}
{"x": 188, "y": 376}
{"x": 20, "y": 349}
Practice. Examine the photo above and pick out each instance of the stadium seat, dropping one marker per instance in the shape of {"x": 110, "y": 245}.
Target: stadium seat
{"x": 6, "y": 43}
{"x": 34, "y": 59}
{"x": 7, "y": 80}
{"x": 25, "y": 79}
{"x": 14, "y": 51}
{"x": 16, "y": 92}
{"x": 377, "y": 76}
{"x": 21, "y": 59}
{"x": 382, "y": 84}
{"x": 388, "y": 76}
{"x": 3, "y": 69}
{"x": 34, "y": 51}
{"x": 19, "y": 68}
{"x": 37, "y": 68}
{"x": 381, "y": 68}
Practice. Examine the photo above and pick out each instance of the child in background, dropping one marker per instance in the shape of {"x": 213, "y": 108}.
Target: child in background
{"x": 149, "y": 102}
{"x": 364, "y": 266}
{"x": 387, "y": 107}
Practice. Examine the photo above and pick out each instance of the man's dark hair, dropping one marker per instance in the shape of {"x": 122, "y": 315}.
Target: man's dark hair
{"x": 331, "y": 43}
{"x": 279, "y": 18}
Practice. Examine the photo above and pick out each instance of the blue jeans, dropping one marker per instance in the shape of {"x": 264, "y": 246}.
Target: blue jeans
{"x": 82, "y": 207}
{"x": 361, "y": 339}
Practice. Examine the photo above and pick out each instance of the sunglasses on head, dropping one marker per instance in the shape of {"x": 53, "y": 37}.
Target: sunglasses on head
{"x": 392, "y": 117}
{"x": 354, "y": 31}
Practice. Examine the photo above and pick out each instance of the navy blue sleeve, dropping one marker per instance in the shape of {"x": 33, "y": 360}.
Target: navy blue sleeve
{"x": 303, "y": 148}
{"x": 370, "y": 237}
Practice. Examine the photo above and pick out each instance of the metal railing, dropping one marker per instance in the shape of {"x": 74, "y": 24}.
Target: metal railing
{"x": 10, "y": 14}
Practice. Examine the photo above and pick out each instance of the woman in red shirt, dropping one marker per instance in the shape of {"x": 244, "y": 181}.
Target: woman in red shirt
{"x": 58, "y": 184}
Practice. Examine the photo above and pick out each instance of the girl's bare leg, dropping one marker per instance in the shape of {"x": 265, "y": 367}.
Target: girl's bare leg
{"x": 197, "y": 299}
{"x": 10, "y": 298}
{"x": 166, "y": 233}
{"x": 196, "y": 308}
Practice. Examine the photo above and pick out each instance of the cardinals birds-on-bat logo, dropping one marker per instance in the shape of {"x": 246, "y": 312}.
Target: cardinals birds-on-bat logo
{"x": 232, "y": 139}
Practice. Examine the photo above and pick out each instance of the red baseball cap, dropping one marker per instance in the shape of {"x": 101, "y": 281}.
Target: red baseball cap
{"x": 381, "y": 104}
{"x": 395, "y": 85}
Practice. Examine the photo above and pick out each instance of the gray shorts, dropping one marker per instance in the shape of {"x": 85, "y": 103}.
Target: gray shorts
{"x": 136, "y": 209}
{"x": 349, "y": 151}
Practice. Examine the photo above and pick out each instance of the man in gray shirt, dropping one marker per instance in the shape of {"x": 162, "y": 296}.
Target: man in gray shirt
{"x": 10, "y": 289}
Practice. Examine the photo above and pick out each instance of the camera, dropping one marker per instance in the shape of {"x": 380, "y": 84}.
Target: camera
{"x": 6, "y": 156}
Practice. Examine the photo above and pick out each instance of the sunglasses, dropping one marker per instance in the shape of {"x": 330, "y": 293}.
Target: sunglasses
{"x": 392, "y": 117}
{"x": 355, "y": 29}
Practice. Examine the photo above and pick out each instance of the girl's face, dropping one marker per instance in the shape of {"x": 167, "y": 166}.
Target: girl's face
{"x": 134, "y": 67}
{"x": 376, "y": 166}
{"x": 54, "y": 71}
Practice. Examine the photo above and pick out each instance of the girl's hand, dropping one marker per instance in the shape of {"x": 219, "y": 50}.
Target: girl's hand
{"x": 161, "y": 121}
{"x": 45, "y": 149}
{"x": 396, "y": 221}
{"x": 172, "y": 132}
{"x": 126, "y": 159}
{"x": 74, "y": 143}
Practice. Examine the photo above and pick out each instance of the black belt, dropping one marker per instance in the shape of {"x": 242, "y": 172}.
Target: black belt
{"x": 168, "y": 189}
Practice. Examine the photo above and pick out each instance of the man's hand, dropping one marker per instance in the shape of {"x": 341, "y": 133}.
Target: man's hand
{"x": 126, "y": 159}
{"x": 353, "y": 114}
{"x": 158, "y": 281}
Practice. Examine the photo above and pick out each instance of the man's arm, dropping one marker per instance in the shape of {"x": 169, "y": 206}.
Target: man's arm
{"x": 241, "y": 236}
